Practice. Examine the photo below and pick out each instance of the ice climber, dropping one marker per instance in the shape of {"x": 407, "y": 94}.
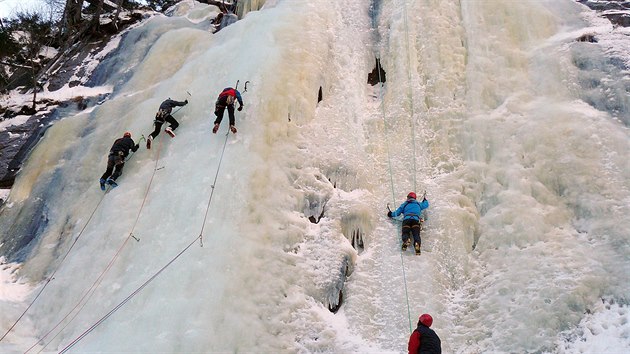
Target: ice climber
{"x": 162, "y": 116}
{"x": 226, "y": 100}
{"x": 411, "y": 210}
{"x": 116, "y": 159}
{"x": 424, "y": 340}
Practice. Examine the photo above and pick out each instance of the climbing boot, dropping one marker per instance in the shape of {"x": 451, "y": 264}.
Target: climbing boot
{"x": 112, "y": 183}
{"x": 406, "y": 244}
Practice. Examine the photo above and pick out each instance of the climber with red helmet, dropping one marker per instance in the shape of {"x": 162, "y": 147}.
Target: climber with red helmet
{"x": 116, "y": 159}
{"x": 411, "y": 210}
{"x": 423, "y": 339}
{"x": 226, "y": 100}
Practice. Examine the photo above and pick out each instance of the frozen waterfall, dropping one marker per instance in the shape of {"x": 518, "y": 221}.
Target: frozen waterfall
{"x": 489, "y": 106}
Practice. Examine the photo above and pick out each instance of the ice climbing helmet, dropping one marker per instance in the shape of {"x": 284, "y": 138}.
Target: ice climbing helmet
{"x": 426, "y": 319}
{"x": 411, "y": 195}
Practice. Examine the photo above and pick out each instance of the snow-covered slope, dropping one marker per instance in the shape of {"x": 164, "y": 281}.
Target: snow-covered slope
{"x": 526, "y": 243}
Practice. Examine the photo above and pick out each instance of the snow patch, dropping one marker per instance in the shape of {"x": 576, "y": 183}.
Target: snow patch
{"x": 603, "y": 331}
{"x": 11, "y": 288}
{"x": 17, "y": 120}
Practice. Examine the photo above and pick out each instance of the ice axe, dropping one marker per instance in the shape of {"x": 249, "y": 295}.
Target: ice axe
{"x": 133, "y": 152}
{"x": 237, "y": 82}
{"x": 177, "y": 110}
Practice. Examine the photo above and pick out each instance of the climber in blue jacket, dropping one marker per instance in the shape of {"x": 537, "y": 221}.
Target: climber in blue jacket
{"x": 411, "y": 210}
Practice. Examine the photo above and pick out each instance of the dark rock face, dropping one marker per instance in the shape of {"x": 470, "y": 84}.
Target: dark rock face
{"x": 377, "y": 75}
{"x": 601, "y": 5}
{"x": 587, "y": 38}
{"x": 18, "y": 140}
{"x": 617, "y": 11}
{"x": 73, "y": 66}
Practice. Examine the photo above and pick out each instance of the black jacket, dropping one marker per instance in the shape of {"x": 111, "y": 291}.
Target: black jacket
{"x": 424, "y": 340}
{"x": 122, "y": 146}
{"x": 167, "y": 107}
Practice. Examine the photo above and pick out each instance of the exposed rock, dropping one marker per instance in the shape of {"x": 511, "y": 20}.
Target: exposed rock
{"x": 600, "y": 5}
{"x": 334, "y": 298}
{"x": 618, "y": 18}
{"x": 377, "y": 75}
{"x": 587, "y": 38}
{"x": 18, "y": 140}
{"x": 618, "y": 12}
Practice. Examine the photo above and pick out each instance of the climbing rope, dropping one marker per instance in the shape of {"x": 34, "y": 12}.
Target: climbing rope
{"x": 413, "y": 140}
{"x": 410, "y": 95}
{"x": 122, "y": 303}
{"x": 203, "y": 225}
{"x": 391, "y": 181}
{"x": 406, "y": 291}
{"x": 52, "y": 275}
{"x": 146, "y": 193}
{"x": 80, "y": 304}
{"x": 88, "y": 294}
{"x": 134, "y": 293}
{"x": 389, "y": 159}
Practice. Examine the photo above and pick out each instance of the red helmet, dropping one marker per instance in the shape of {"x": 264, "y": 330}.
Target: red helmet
{"x": 411, "y": 195}
{"x": 127, "y": 135}
{"x": 426, "y": 319}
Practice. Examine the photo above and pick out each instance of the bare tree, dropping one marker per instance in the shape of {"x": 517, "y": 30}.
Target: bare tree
{"x": 117, "y": 17}
{"x": 72, "y": 17}
{"x": 96, "y": 18}
{"x": 35, "y": 33}
{"x": 56, "y": 9}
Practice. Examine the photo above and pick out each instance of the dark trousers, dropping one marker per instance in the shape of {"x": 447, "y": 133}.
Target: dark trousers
{"x": 158, "y": 125}
{"x": 219, "y": 110}
{"x": 411, "y": 226}
{"x": 115, "y": 163}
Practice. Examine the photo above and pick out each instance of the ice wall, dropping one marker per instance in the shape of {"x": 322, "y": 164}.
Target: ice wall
{"x": 528, "y": 185}
{"x": 547, "y": 176}
{"x": 246, "y": 278}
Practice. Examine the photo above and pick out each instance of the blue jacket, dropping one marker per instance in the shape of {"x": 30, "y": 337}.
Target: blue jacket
{"x": 411, "y": 209}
